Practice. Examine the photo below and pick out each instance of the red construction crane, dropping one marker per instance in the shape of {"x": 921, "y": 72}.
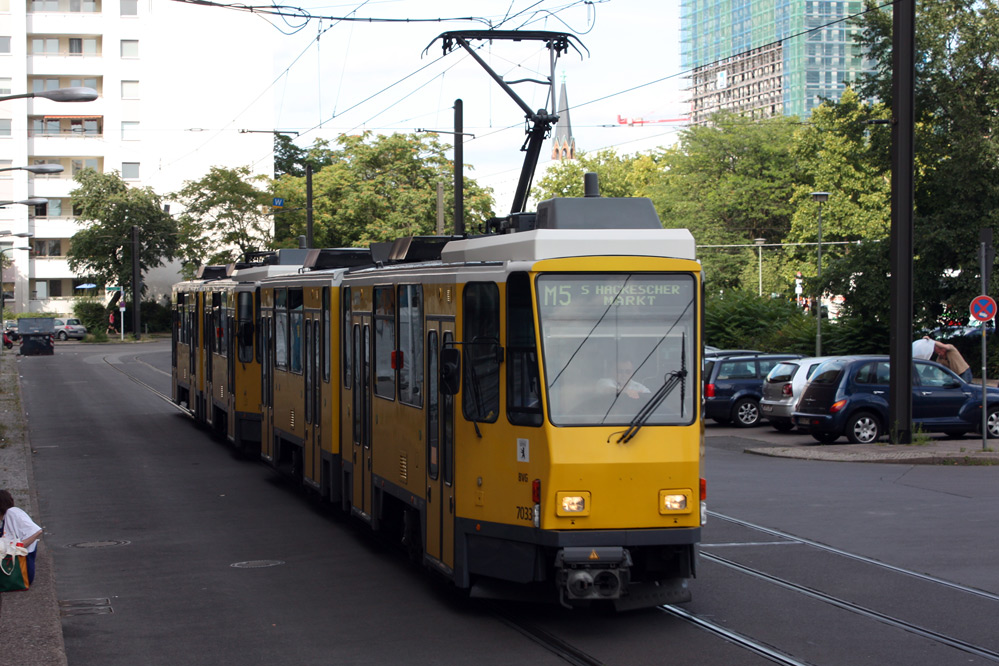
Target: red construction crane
{"x": 631, "y": 122}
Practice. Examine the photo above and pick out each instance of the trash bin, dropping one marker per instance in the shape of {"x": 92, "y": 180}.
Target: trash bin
{"x": 36, "y": 336}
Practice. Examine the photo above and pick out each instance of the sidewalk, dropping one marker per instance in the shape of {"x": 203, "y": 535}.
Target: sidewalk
{"x": 30, "y": 629}
{"x": 927, "y": 449}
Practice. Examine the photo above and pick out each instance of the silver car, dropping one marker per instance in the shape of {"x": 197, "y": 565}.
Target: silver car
{"x": 782, "y": 388}
{"x": 69, "y": 328}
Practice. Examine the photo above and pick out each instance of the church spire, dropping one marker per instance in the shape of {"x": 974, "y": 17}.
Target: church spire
{"x": 563, "y": 145}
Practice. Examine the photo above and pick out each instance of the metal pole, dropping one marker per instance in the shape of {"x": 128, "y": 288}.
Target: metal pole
{"x": 760, "y": 253}
{"x": 308, "y": 203}
{"x": 459, "y": 169}
{"x": 136, "y": 285}
{"x": 818, "y": 299}
{"x": 982, "y": 254}
{"x": 902, "y": 186}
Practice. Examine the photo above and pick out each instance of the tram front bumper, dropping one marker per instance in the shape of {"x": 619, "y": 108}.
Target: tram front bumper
{"x": 600, "y": 572}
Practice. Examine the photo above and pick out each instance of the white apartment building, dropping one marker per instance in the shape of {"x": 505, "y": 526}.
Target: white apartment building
{"x": 176, "y": 84}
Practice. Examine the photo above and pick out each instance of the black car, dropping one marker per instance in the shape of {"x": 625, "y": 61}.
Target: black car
{"x": 733, "y": 386}
{"x": 849, "y": 396}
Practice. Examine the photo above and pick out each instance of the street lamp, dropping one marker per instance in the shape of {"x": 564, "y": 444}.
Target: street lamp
{"x": 759, "y": 250}
{"x": 820, "y": 198}
{"x": 74, "y": 94}
{"x": 34, "y": 201}
{"x": 37, "y": 168}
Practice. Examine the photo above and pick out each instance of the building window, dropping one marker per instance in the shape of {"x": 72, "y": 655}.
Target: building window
{"x": 47, "y": 247}
{"x": 55, "y": 288}
{"x": 41, "y": 85}
{"x": 45, "y": 45}
{"x": 82, "y": 46}
{"x": 4, "y": 85}
{"x": 83, "y": 6}
{"x": 4, "y": 44}
{"x": 81, "y": 164}
{"x": 129, "y": 130}
{"x": 129, "y": 7}
{"x": 86, "y": 83}
{"x": 4, "y": 126}
{"x": 44, "y": 5}
{"x": 130, "y": 170}
{"x": 130, "y": 90}
{"x": 129, "y": 48}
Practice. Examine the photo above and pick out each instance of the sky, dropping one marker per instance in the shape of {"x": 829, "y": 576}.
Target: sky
{"x": 335, "y": 77}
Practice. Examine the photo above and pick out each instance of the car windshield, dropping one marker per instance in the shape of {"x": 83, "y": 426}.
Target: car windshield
{"x": 827, "y": 373}
{"x": 611, "y": 341}
{"x": 782, "y": 372}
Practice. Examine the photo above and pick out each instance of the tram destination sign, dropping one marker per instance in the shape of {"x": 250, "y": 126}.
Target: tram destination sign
{"x": 592, "y": 291}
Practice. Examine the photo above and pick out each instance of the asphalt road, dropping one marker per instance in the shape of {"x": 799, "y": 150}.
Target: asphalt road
{"x": 147, "y": 515}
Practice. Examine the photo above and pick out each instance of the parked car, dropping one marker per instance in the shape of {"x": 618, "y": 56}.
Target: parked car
{"x": 849, "y": 396}
{"x": 782, "y": 388}
{"x": 733, "y": 386}
{"x": 69, "y": 328}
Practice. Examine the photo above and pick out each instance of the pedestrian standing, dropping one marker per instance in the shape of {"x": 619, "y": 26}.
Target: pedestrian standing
{"x": 16, "y": 525}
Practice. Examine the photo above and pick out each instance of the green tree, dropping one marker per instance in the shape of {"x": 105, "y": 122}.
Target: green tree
{"x": 378, "y": 188}
{"x": 223, "y": 217}
{"x": 957, "y": 150}
{"x": 729, "y": 182}
{"x": 108, "y": 209}
{"x": 619, "y": 176}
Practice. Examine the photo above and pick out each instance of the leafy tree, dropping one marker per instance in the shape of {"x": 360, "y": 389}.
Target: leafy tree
{"x": 287, "y": 157}
{"x": 375, "y": 189}
{"x": 957, "y": 150}
{"x": 729, "y": 183}
{"x": 223, "y": 212}
{"x": 619, "y": 176}
{"x": 108, "y": 209}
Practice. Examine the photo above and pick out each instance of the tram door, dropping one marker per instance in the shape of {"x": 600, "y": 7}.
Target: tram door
{"x": 313, "y": 398}
{"x": 267, "y": 387}
{"x": 360, "y": 350}
{"x": 440, "y": 450}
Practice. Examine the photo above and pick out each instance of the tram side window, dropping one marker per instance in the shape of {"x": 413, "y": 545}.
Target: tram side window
{"x": 244, "y": 335}
{"x": 325, "y": 351}
{"x": 281, "y": 329}
{"x": 345, "y": 336}
{"x": 480, "y": 399}
{"x": 384, "y": 342}
{"x": 221, "y": 328}
{"x": 523, "y": 405}
{"x": 296, "y": 309}
{"x": 409, "y": 362}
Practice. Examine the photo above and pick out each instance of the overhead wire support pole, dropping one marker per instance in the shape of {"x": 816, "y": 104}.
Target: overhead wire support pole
{"x": 541, "y": 119}
{"x": 902, "y": 188}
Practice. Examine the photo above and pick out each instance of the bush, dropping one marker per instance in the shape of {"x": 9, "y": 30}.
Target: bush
{"x": 92, "y": 315}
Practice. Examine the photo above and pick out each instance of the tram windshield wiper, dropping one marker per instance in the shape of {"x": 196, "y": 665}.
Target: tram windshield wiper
{"x": 673, "y": 379}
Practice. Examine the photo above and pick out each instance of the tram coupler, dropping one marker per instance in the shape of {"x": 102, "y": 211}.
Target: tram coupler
{"x": 591, "y": 573}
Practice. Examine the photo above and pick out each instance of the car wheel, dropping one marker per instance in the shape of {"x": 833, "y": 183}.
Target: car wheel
{"x": 782, "y": 426}
{"x": 992, "y": 423}
{"x": 746, "y": 413}
{"x": 62, "y": 335}
{"x": 825, "y": 437}
{"x": 863, "y": 428}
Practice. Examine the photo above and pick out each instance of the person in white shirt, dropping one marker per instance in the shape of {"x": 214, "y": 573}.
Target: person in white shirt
{"x": 623, "y": 384}
{"x": 16, "y": 525}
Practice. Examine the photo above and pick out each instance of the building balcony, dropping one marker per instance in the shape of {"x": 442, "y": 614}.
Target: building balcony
{"x": 50, "y": 268}
{"x": 55, "y": 186}
{"x": 65, "y": 23}
{"x": 58, "y": 64}
{"x": 67, "y": 145}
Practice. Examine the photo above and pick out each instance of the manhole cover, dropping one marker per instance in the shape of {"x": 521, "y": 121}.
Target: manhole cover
{"x": 99, "y": 544}
{"x": 85, "y": 607}
{"x": 256, "y": 564}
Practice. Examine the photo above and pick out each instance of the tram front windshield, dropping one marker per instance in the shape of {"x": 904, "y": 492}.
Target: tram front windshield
{"x": 617, "y": 344}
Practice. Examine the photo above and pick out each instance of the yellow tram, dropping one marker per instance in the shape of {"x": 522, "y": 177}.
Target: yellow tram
{"x": 521, "y": 409}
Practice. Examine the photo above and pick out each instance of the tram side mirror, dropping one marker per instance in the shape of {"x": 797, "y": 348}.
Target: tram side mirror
{"x": 246, "y": 333}
{"x": 450, "y": 371}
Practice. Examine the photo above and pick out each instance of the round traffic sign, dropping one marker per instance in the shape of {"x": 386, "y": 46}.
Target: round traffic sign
{"x": 983, "y": 308}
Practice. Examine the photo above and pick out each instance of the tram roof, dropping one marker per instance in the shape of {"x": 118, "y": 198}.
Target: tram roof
{"x": 559, "y": 243}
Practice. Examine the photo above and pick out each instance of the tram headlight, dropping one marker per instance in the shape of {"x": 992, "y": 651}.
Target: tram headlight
{"x": 574, "y": 503}
{"x": 674, "y": 501}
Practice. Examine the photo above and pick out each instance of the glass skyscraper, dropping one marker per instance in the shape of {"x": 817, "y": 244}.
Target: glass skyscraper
{"x": 768, "y": 57}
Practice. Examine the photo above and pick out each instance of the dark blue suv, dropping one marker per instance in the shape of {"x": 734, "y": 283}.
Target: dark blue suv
{"x": 733, "y": 386}
{"x": 849, "y": 396}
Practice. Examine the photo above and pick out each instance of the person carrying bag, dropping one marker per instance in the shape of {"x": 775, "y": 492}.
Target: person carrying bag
{"x": 13, "y": 567}
{"x": 19, "y": 537}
